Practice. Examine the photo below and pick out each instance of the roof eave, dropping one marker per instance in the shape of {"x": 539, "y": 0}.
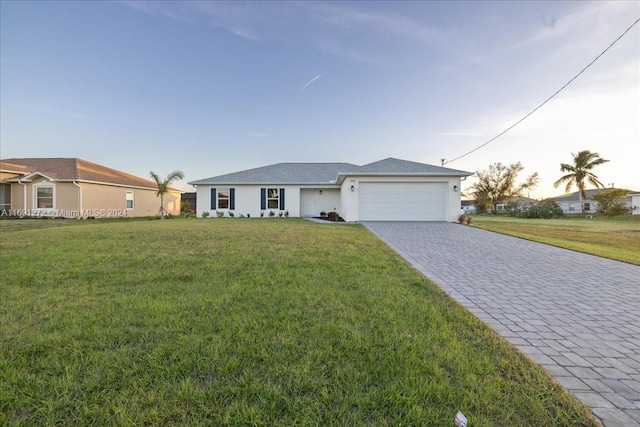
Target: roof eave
{"x": 342, "y": 176}
{"x": 196, "y": 183}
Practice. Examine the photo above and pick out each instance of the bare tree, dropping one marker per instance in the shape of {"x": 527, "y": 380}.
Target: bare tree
{"x": 498, "y": 184}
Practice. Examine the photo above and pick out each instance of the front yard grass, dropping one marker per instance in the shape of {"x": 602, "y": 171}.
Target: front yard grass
{"x": 615, "y": 238}
{"x": 246, "y": 322}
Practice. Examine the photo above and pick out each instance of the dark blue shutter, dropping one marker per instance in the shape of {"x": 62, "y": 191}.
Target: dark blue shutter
{"x": 263, "y": 198}
{"x": 282, "y": 199}
{"x": 232, "y": 198}
{"x": 214, "y": 206}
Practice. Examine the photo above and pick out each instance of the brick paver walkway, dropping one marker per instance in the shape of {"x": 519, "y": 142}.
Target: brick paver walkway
{"x": 577, "y": 315}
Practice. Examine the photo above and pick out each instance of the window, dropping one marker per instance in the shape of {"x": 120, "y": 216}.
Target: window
{"x": 223, "y": 198}
{"x": 5, "y": 197}
{"x": 272, "y": 198}
{"x": 571, "y": 207}
{"x": 129, "y": 200}
{"x": 587, "y": 207}
{"x": 45, "y": 197}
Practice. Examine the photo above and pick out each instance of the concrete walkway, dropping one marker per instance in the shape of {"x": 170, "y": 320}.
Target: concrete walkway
{"x": 576, "y": 315}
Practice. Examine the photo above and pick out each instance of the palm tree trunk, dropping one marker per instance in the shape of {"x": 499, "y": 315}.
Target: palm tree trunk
{"x": 161, "y": 206}
{"x": 581, "y": 203}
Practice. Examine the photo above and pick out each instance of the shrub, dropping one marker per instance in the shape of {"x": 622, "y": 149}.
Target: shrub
{"x": 219, "y": 214}
{"x": 464, "y": 219}
{"x": 272, "y": 214}
{"x": 280, "y": 214}
{"x": 545, "y": 209}
{"x": 248, "y": 215}
{"x": 286, "y": 214}
{"x": 333, "y": 216}
{"x": 261, "y": 214}
{"x": 613, "y": 202}
{"x": 231, "y": 214}
{"x": 206, "y": 214}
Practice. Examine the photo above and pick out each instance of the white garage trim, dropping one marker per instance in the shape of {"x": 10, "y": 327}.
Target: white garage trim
{"x": 402, "y": 201}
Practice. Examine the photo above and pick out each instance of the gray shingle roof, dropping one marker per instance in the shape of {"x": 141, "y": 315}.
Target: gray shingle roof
{"x": 575, "y": 196}
{"x": 325, "y": 173}
{"x": 283, "y": 173}
{"x": 398, "y": 166}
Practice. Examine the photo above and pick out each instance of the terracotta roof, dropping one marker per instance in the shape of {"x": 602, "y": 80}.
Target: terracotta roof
{"x": 74, "y": 169}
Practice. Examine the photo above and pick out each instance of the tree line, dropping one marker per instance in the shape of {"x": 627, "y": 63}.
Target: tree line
{"x": 498, "y": 185}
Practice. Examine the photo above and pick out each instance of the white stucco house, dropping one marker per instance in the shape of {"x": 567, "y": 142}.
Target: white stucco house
{"x": 635, "y": 203}
{"x": 570, "y": 203}
{"x": 386, "y": 190}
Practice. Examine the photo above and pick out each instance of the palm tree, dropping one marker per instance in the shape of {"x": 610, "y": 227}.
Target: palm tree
{"x": 163, "y": 186}
{"x": 579, "y": 172}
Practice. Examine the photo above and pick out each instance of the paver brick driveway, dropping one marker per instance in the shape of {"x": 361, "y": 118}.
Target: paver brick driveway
{"x": 577, "y": 315}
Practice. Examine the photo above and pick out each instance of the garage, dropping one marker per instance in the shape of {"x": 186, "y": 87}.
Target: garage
{"x": 402, "y": 201}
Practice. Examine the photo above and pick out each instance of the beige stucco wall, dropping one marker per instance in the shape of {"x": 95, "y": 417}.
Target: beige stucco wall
{"x": 97, "y": 200}
{"x": 145, "y": 202}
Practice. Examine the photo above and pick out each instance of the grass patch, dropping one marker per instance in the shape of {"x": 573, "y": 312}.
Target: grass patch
{"x": 247, "y": 322}
{"x": 615, "y": 238}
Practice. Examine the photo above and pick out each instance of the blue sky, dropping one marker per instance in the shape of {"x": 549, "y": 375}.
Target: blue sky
{"x": 215, "y": 87}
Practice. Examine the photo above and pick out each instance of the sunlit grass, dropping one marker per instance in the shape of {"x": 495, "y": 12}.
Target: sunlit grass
{"x": 246, "y": 322}
{"x": 615, "y": 238}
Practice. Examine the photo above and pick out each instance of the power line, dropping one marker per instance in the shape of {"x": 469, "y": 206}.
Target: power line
{"x": 444, "y": 162}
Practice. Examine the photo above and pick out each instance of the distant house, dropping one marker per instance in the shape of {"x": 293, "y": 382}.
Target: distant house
{"x": 570, "y": 203}
{"x": 387, "y": 190}
{"x": 518, "y": 201}
{"x": 468, "y": 207}
{"x": 72, "y": 187}
{"x": 635, "y": 203}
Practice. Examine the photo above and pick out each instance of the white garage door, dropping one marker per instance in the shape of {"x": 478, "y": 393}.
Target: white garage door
{"x": 403, "y": 201}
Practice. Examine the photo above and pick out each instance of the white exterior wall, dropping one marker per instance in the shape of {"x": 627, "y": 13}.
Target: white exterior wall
{"x": 577, "y": 207}
{"x": 342, "y": 199}
{"x": 635, "y": 203}
{"x": 325, "y": 199}
{"x": 349, "y": 199}
{"x": 247, "y": 200}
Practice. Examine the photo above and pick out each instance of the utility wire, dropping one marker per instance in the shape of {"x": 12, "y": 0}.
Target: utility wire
{"x": 444, "y": 162}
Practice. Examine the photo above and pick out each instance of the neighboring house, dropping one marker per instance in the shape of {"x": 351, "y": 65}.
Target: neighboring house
{"x": 517, "y": 201}
{"x": 468, "y": 207}
{"x": 635, "y": 203}
{"x": 387, "y": 190}
{"x": 570, "y": 203}
{"x": 71, "y": 187}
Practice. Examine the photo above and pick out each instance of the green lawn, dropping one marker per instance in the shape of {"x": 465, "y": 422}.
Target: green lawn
{"x": 615, "y": 238}
{"x": 245, "y": 322}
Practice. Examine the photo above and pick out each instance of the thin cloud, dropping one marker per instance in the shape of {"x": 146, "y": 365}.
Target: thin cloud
{"x": 322, "y": 26}
{"x": 341, "y": 16}
{"x": 459, "y": 133}
{"x": 258, "y": 134}
{"x": 313, "y": 80}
